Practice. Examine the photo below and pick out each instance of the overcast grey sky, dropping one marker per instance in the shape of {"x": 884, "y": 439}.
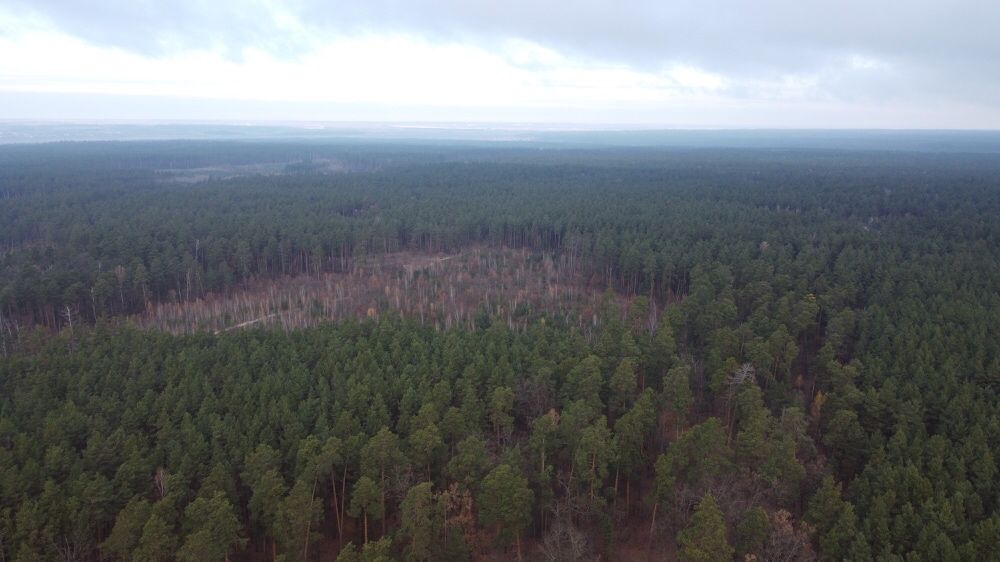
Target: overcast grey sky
{"x": 705, "y": 63}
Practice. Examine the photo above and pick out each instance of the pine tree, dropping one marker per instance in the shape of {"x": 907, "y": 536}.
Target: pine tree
{"x": 214, "y": 529}
{"x": 593, "y": 454}
{"x": 366, "y": 501}
{"x": 751, "y": 532}
{"x": 298, "y": 514}
{"x": 836, "y": 542}
{"x": 505, "y": 501}
{"x": 157, "y": 543}
{"x": 623, "y": 386}
{"x": 469, "y": 463}
{"x": 418, "y": 523}
{"x": 128, "y": 526}
{"x": 426, "y": 446}
{"x": 825, "y": 506}
{"x": 677, "y": 394}
{"x": 704, "y": 539}
{"x": 379, "y": 456}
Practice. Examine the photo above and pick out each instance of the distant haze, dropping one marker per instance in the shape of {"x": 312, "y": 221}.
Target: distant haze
{"x": 643, "y": 64}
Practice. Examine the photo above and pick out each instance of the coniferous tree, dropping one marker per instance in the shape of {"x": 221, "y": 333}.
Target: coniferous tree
{"x": 213, "y": 529}
{"x": 704, "y": 539}
{"x": 504, "y": 501}
{"x": 418, "y": 524}
{"x": 366, "y": 501}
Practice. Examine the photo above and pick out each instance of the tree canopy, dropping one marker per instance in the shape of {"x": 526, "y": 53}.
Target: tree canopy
{"x": 784, "y": 354}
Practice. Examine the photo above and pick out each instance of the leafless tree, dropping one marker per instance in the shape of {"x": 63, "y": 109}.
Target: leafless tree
{"x": 160, "y": 481}
{"x": 787, "y": 542}
{"x": 68, "y": 312}
{"x": 743, "y": 374}
{"x": 564, "y": 541}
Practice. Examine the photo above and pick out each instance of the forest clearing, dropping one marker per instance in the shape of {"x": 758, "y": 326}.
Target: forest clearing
{"x": 441, "y": 290}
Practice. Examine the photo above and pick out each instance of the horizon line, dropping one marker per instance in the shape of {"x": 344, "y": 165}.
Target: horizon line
{"x": 417, "y": 124}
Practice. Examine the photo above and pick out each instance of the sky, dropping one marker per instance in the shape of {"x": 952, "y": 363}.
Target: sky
{"x": 896, "y": 64}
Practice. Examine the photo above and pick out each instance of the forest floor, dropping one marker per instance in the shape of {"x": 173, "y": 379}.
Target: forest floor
{"x": 441, "y": 289}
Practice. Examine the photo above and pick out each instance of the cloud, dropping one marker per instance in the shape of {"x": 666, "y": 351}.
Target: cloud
{"x": 918, "y": 53}
{"x": 787, "y": 35}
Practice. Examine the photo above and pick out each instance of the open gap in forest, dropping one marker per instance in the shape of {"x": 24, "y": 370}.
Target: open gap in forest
{"x": 443, "y": 290}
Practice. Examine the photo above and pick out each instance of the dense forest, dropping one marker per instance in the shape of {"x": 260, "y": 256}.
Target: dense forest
{"x": 785, "y": 355}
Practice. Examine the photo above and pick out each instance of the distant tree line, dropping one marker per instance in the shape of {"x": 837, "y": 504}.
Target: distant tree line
{"x": 95, "y": 232}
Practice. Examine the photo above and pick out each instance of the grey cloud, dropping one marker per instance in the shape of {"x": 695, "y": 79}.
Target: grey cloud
{"x": 943, "y": 48}
{"x": 155, "y": 27}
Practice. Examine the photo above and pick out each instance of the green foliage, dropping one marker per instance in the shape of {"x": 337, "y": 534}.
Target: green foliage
{"x": 127, "y": 531}
{"x": 377, "y": 551}
{"x": 418, "y": 522}
{"x": 349, "y": 553}
{"x": 426, "y": 446}
{"x": 381, "y": 454}
{"x": 366, "y": 501}
{"x": 623, "y": 387}
{"x": 469, "y": 463}
{"x": 585, "y": 383}
{"x": 825, "y": 506}
{"x": 677, "y": 393}
{"x": 700, "y": 455}
{"x": 631, "y": 432}
{"x": 213, "y": 529}
{"x": 593, "y": 454}
{"x": 752, "y": 532}
{"x": 504, "y": 501}
{"x": 836, "y": 542}
{"x": 501, "y": 410}
{"x": 158, "y": 541}
{"x": 267, "y": 487}
{"x": 298, "y": 514}
{"x": 704, "y": 539}
{"x": 861, "y": 287}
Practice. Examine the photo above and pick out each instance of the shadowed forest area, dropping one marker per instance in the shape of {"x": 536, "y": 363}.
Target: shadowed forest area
{"x": 332, "y": 350}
